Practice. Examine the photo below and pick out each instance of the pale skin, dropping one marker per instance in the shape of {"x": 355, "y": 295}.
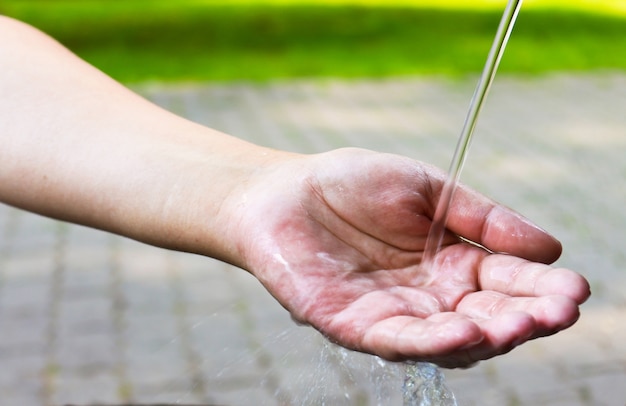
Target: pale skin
{"x": 336, "y": 238}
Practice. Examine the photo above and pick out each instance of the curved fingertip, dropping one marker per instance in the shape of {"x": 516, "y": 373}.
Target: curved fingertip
{"x": 555, "y": 313}
{"x": 503, "y": 334}
{"x": 508, "y": 232}
{"x": 549, "y": 255}
{"x": 459, "y": 334}
{"x": 564, "y": 282}
{"x": 578, "y": 289}
{"x": 509, "y": 330}
{"x": 583, "y": 292}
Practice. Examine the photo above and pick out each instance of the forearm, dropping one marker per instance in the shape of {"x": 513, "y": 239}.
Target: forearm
{"x": 77, "y": 146}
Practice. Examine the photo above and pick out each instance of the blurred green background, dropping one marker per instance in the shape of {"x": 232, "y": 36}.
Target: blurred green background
{"x": 189, "y": 40}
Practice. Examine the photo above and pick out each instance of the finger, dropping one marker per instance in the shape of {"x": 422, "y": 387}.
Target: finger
{"x": 501, "y": 334}
{"x": 551, "y": 313}
{"x": 403, "y": 337}
{"x": 517, "y": 277}
{"x": 500, "y": 229}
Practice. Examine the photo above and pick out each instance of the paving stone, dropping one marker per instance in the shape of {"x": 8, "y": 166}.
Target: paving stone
{"x": 88, "y": 317}
{"x": 86, "y": 353}
{"x": 606, "y": 389}
{"x": 81, "y": 389}
{"x": 21, "y": 399}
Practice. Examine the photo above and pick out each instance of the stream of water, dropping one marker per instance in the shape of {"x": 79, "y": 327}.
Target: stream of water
{"x": 437, "y": 230}
{"x": 424, "y": 384}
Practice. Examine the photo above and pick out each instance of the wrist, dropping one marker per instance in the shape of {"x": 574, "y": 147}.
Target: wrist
{"x": 202, "y": 191}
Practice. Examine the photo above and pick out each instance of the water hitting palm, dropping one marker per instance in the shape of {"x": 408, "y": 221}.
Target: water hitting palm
{"x": 423, "y": 385}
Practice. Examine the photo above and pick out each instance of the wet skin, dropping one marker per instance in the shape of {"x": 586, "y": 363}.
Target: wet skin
{"x": 339, "y": 243}
{"x": 336, "y": 238}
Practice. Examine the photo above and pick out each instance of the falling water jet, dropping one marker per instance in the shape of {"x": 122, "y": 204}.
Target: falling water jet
{"x": 438, "y": 227}
{"x": 424, "y": 384}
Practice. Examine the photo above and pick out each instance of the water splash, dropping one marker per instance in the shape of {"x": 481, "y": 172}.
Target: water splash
{"x": 424, "y": 385}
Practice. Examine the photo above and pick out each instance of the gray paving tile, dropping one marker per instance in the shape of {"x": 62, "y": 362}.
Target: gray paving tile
{"x": 87, "y": 317}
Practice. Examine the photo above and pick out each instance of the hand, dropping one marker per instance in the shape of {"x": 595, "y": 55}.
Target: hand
{"x": 337, "y": 238}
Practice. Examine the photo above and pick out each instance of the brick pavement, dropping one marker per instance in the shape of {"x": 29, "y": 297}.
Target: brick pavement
{"x": 89, "y": 318}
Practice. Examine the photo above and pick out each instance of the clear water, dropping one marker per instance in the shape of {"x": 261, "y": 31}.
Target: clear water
{"x": 424, "y": 383}
{"x": 437, "y": 230}
{"x": 321, "y": 373}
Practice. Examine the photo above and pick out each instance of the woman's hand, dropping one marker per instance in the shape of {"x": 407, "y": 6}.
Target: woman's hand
{"x": 338, "y": 239}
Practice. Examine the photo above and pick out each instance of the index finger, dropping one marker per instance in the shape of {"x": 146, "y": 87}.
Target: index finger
{"x": 499, "y": 229}
{"x": 517, "y": 277}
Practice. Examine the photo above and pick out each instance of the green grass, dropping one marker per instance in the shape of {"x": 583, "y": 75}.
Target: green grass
{"x": 139, "y": 40}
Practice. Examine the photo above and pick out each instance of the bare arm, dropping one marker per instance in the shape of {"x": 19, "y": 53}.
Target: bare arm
{"x": 336, "y": 238}
{"x": 78, "y": 146}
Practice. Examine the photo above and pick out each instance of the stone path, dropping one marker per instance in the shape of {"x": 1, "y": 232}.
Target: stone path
{"x": 89, "y": 318}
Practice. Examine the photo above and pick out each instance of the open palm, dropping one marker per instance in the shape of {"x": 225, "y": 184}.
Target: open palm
{"x": 338, "y": 239}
